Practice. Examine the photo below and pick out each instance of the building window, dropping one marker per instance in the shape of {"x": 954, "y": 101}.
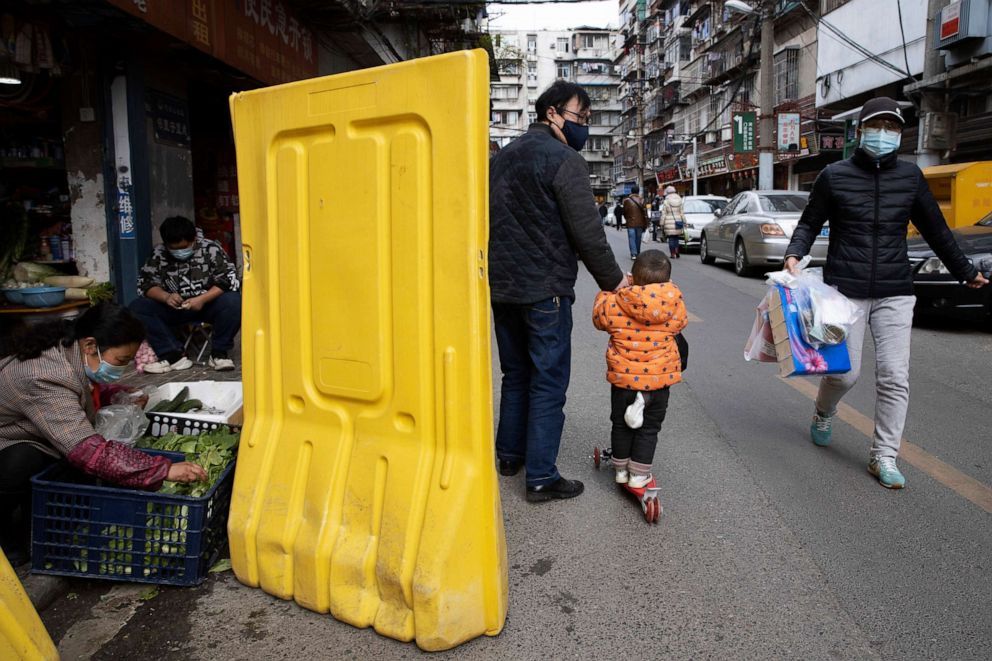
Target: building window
{"x": 505, "y": 117}
{"x": 508, "y": 67}
{"x": 532, "y": 43}
{"x": 685, "y": 48}
{"x": 787, "y": 75}
{"x": 564, "y": 70}
{"x": 531, "y": 117}
{"x": 505, "y": 92}
{"x": 562, "y": 44}
{"x": 830, "y": 5}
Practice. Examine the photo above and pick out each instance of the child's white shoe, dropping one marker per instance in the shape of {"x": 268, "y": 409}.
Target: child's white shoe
{"x": 634, "y": 415}
{"x": 639, "y": 481}
{"x": 622, "y": 476}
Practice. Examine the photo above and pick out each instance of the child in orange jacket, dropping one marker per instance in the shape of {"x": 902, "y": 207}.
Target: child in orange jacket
{"x": 642, "y": 359}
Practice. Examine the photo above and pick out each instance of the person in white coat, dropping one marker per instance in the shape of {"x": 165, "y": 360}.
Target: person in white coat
{"x": 672, "y": 220}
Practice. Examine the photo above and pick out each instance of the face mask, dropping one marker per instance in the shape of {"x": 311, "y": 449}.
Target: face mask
{"x": 575, "y": 135}
{"x": 182, "y": 254}
{"x": 880, "y": 142}
{"x": 106, "y": 373}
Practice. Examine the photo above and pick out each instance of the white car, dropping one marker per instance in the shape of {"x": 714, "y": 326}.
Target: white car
{"x": 699, "y": 210}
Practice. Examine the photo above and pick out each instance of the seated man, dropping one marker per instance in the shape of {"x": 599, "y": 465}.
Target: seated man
{"x": 188, "y": 279}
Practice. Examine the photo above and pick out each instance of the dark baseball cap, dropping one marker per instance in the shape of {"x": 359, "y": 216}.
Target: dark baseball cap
{"x": 881, "y": 106}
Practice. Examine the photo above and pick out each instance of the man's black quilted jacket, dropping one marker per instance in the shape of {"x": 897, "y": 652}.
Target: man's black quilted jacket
{"x": 541, "y": 213}
{"x": 869, "y": 204}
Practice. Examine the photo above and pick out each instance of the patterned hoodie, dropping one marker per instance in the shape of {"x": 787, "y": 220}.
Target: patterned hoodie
{"x": 209, "y": 266}
{"x": 642, "y": 322}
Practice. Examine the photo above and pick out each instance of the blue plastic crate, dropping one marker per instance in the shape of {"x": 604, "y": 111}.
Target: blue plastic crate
{"x": 82, "y": 528}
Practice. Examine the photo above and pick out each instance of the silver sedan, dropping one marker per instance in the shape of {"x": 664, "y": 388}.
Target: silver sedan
{"x": 755, "y": 229}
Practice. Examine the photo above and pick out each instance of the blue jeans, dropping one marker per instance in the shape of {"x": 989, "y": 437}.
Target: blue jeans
{"x": 535, "y": 355}
{"x": 673, "y": 243}
{"x": 634, "y": 239}
{"x": 223, "y": 313}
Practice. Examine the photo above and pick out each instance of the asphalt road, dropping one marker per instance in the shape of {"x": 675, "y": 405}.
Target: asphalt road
{"x": 769, "y": 547}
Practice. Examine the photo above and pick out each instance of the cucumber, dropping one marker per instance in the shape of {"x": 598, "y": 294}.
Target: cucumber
{"x": 160, "y": 407}
{"x": 189, "y": 405}
{"x": 176, "y": 402}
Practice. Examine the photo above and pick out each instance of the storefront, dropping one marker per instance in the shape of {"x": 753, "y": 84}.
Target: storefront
{"x": 121, "y": 120}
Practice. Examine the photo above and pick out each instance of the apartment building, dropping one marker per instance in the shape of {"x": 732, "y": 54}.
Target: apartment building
{"x": 687, "y": 67}
{"x": 529, "y": 61}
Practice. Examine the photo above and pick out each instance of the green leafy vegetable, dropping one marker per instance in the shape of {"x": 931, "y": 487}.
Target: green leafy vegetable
{"x": 213, "y": 451}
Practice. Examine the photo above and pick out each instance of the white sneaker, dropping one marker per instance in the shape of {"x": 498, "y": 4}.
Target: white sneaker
{"x": 639, "y": 481}
{"x": 161, "y": 367}
{"x": 221, "y": 364}
{"x": 622, "y": 476}
{"x": 183, "y": 363}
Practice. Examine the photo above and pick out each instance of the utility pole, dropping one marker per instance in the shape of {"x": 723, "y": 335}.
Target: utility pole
{"x": 931, "y": 101}
{"x": 766, "y": 147}
{"x": 639, "y": 100}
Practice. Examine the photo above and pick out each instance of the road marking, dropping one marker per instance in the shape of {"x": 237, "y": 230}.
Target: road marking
{"x": 964, "y": 485}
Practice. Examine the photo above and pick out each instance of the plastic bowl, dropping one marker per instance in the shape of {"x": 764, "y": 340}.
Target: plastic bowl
{"x": 14, "y": 296}
{"x": 43, "y": 297}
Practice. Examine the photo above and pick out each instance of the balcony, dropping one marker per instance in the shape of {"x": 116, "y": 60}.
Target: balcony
{"x": 691, "y": 77}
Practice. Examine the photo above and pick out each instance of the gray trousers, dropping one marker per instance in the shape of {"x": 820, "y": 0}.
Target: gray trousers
{"x": 891, "y": 322}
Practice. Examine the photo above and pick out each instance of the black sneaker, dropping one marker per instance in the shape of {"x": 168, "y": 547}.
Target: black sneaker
{"x": 555, "y": 491}
{"x": 509, "y": 467}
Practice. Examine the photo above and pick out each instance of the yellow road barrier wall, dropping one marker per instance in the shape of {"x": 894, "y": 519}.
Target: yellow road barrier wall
{"x": 366, "y": 484}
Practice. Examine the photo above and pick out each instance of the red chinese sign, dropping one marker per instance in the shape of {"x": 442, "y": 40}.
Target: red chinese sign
{"x": 262, "y": 38}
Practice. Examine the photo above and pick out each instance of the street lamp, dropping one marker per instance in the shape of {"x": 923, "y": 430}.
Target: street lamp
{"x": 766, "y": 165}
{"x": 695, "y": 163}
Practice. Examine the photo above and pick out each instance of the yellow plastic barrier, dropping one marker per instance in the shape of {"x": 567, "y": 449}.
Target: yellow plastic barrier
{"x": 22, "y": 635}
{"x": 366, "y": 484}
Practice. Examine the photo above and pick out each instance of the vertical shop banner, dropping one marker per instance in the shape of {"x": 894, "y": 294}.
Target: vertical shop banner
{"x": 788, "y": 131}
{"x": 743, "y": 126}
{"x": 262, "y": 38}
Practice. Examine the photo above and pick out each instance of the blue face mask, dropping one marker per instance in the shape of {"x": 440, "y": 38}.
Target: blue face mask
{"x": 182, "y": 254}
{"x": 106, "y": 373}
{"x": 575, "y": 134}
{"x": 879, "y": 142}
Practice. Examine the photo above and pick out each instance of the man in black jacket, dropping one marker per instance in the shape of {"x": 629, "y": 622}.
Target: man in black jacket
{"x": 541, "y": 214}
{"x": 869, "y": 200}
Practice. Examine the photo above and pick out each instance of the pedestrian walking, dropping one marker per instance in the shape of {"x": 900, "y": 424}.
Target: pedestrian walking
{"x": 636, "y": 218}
{"x": 673, "y": 220}
{"x": 868, "y": 200}
{"x": 541, "y": 214}
{"x": 603, "y": 211}
{"x": 618, "y": 215}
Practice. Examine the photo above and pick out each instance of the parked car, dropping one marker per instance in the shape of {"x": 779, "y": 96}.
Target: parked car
{"x": 754, "y": 231}
{"x": 937, "y": 291}
{"x": 699, "y": 211}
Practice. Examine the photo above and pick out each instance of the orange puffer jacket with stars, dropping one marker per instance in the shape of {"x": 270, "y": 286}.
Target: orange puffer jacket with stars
{"x": 642, "y": 322}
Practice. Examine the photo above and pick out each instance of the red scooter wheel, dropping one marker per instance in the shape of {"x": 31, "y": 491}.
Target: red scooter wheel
{"x": 596, "y": 457}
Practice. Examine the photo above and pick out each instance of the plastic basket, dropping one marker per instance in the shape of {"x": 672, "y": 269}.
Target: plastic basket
{"x": 82, "y": 528}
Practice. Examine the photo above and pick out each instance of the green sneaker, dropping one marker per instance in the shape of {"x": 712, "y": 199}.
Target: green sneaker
{"x": 884, "y": 468}
{"x": 819, "y": 430}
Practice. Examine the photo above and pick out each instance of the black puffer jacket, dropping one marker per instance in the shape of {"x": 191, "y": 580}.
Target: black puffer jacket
{"x": 869, "y": 204}
{"x": 541, "y": 213}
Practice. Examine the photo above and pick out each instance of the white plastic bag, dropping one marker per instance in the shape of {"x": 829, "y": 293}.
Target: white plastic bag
{"x": 827, "y": 315}
{"x": 634, "y": 415}
{"x": 124, "y": 423}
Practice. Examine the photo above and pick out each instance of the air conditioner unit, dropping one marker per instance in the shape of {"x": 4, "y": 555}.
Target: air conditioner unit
{"x": 606, "y": 152}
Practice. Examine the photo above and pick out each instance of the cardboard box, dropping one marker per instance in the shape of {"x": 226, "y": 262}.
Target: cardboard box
{"x": 795, "y": 356}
